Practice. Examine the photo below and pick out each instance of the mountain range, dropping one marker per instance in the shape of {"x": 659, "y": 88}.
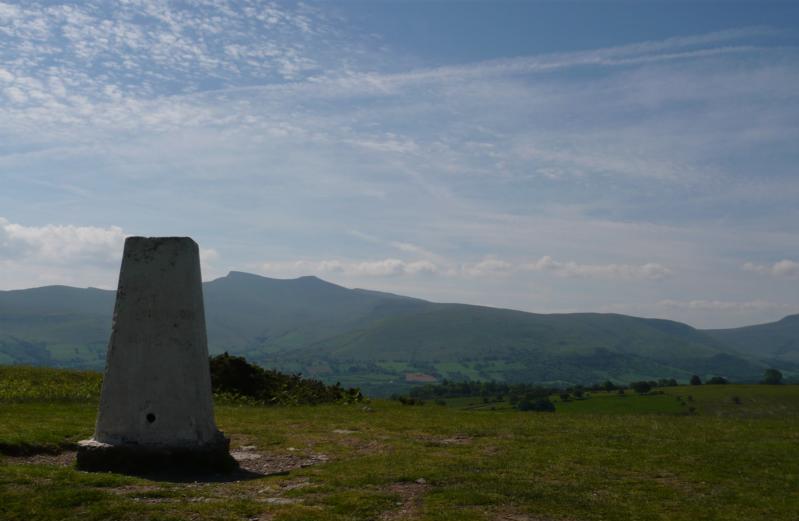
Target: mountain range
{"x": 385, "y": 342}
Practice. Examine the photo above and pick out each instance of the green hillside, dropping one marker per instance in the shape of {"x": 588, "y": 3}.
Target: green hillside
{"x": 777, "y": 343}
{"x": 247, "y": 314}
{"x": 55, "y": 325}
{"x": 385, "y": 342}
{"x": 470, "y": 342}
{"x": 256, "y": 315}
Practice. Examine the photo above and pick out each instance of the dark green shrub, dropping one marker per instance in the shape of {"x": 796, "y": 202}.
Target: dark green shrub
{"x": 607, "y": 385}
{"x": 538, "y": 405}
{"x": 772, "y": 377}
{"x": 235, "y": 379}
{"x": 641, "y": 387}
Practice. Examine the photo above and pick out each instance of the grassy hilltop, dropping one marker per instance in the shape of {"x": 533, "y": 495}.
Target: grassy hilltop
{"x": 607, "y": 457}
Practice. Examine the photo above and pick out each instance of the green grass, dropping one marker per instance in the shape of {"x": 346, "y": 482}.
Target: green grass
{"x": 629, "y": 403}
{"x": 449, "y": 368}
{"x": 49, "y": 427}
{"x": 396, "y": 366}
{"x": 755, "y": 401}
{"x": 24, "y": 384}
{"x": 637, "y": 457}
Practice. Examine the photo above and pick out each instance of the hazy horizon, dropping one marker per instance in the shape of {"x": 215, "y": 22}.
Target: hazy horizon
{"x": 206, "y": 280}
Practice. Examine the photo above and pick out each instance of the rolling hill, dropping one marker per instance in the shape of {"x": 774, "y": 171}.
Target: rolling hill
{"x": 383, "y": 341}
{"x": 777, "y": 343}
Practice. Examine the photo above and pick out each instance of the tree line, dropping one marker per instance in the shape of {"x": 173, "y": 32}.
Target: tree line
{"x": 536, "y": 397}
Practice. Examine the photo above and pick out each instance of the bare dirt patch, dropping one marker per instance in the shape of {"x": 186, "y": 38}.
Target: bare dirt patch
{"x": 457, "y": 439}
{"x": 409, "y": 505}
{"x": 519, "y": 517}
{"x": 274, "y": 463}
{"x": 358, "y": 442}
{"x": 420, "y": 377}
{"x": 134, "y": 490}
{"x": 63, "y": 459}
{"x": 510, "y": 515}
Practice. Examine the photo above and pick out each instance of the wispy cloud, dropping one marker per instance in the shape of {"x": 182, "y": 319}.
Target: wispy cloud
{"x": 374, "y": 268}
{"x": 488, "y": 267}
{"x": 785, "y": 268}
{"x": 60, "y": 244}
{"x": 724, "y": 305}
{"x": 684, "y": 47}
{"x": 69, "y": 254}
{"x": 650, "y": 270}
{"x": 58, "y": 254}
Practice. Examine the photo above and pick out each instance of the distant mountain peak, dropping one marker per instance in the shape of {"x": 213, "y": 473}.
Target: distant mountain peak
{"x": 305, "y": 280}
{"x": 242, "y": 274}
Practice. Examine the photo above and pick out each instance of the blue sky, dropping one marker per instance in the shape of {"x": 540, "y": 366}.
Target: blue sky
{"x": 631, "y": 157}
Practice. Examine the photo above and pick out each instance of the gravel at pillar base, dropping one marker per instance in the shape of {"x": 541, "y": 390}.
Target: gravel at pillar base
{"x": 156, "y": 407}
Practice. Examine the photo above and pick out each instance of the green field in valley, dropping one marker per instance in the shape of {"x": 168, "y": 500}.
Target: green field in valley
{"x": 723, "y": 452}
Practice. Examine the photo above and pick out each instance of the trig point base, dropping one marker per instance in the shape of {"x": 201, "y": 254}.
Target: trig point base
{"x": 156, "y": 410}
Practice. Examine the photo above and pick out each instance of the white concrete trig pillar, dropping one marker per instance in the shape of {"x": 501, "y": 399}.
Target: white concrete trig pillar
{"x": 156, "y": 408}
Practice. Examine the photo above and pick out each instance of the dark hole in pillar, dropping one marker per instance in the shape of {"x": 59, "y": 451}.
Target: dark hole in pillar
{"x": 150, "y": 417}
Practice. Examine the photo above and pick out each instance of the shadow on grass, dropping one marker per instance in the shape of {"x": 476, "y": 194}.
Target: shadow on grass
{"x": 256, "y": 467}
{"x": 183, "y": 476}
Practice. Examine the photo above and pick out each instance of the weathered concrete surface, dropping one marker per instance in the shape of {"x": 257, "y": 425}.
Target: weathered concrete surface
{"x": 157, "y": 387}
